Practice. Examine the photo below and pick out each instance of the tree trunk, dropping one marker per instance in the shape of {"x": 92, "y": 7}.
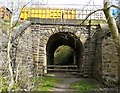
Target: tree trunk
{"x": 9, "y": 61}
{"x": 114, "y": 31}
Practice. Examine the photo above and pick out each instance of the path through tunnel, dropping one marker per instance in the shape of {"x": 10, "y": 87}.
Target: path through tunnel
{"x": 67, "y": 39}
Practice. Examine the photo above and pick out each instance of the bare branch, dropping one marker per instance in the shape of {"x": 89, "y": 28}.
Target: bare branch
{"x": 97, "y": 11}
{"x": 115, "y": 6}
{"x": 19, "y": 16}
{"x": 90, "y": 15}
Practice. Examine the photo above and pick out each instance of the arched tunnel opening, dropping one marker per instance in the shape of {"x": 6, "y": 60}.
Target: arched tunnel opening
{"x": 70, "y": 43}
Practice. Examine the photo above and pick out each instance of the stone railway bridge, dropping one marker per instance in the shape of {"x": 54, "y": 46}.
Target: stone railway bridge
{"x": 34, "y": 43}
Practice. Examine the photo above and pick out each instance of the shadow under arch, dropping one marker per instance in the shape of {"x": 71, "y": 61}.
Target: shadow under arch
{"x": 64, "y": 38}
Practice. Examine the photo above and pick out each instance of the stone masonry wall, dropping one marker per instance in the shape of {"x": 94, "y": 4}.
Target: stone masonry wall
{"x": 30, "y": 52}
{"x": 24, "y": 59}
{"x": 109, "y": 61}
{"x": 90, "y": 46}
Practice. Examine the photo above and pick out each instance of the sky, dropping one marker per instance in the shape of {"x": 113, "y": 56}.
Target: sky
{"x": 80, "y": 4}
{"x": 53, "y": 2}
{"x": 74, "y": 3}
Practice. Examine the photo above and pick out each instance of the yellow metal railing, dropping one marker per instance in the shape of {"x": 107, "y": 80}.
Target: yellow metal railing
{"x": 57, "y": 13}
{"x": 47, "y": 13}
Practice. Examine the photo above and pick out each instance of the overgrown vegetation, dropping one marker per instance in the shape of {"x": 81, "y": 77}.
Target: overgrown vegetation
{"x": 4, "y": 85}
{"x": 44, "y": 84}
{"x": 40, "y": 84}
{"x": 86, "y": 86}
{"x": 63, "y": 55}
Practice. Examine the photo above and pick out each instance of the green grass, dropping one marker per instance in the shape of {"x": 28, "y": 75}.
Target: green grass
{"x": 45, "y": 84}
{"x": 84, "y": 86}
{"x": 4, "y": 85}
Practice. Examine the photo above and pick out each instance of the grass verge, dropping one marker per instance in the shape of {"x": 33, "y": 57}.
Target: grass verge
{"x": 45, "y": 83}
{"x": 84, "y": 86}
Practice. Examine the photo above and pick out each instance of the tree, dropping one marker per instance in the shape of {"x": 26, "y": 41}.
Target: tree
{"x": 114, "y": 31}
{"x": 13, "y": 33}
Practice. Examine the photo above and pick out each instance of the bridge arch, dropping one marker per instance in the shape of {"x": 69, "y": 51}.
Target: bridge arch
{"x": 64, "y": 38}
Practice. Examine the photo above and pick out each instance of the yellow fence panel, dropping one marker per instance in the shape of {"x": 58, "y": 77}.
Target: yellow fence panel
{"x": 47, "y": 13}
{"x": 69, "y": 14}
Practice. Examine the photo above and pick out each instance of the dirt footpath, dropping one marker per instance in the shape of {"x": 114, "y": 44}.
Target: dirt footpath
{"x": 65, "y": 84}
{"x": 66, "y": 80}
